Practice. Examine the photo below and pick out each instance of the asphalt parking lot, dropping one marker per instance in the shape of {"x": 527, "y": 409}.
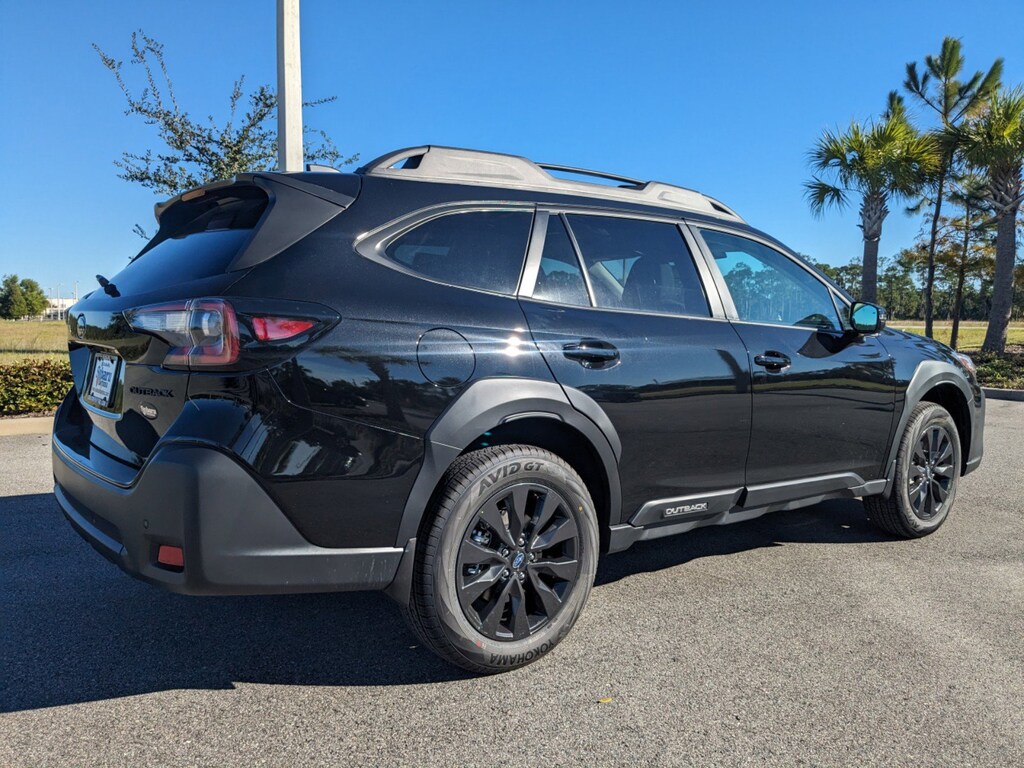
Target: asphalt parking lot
{"x": 802, "y": 638}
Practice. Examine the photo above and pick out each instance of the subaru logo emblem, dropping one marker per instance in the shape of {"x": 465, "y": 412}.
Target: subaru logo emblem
{"x": 518, "y": 561}
{"x": 80, "y": 326}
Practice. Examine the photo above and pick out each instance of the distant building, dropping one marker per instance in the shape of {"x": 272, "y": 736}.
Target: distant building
{"x": 57, "y": 309}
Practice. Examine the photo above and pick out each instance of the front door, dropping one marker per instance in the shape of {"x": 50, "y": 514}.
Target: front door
{"x": 620, "y": 314}
{"x": 824, "y": 396}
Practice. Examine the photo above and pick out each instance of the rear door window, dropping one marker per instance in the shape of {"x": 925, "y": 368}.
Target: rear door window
{"x": 472, "y": 249}
{"x": 642, "y": 265}
{"x": 560, "y": 278}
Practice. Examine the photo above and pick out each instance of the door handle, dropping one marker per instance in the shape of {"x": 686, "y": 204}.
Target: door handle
{"x": 592, "y": 353}
{"x": 773, "y": 361}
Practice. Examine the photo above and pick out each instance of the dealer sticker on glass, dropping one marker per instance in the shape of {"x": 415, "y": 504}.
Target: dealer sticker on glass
{"x": 103, "y": 369}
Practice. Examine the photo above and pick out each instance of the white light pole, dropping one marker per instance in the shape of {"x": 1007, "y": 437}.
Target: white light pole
{"x": 289, "y": 87}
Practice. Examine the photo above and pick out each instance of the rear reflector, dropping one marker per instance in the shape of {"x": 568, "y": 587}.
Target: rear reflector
{"x": 172, "y": 556}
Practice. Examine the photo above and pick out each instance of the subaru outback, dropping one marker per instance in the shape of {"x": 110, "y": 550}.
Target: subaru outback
{"x": 461, "y": 377}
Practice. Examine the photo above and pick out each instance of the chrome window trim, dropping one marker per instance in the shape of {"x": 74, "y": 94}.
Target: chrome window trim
{"x": 534, "y": 253}
{"x": 628, "y": 311}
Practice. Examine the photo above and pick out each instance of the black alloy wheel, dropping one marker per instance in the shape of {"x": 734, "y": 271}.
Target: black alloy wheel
{"x": 518, "y": 561}
{"x": 928, "y": 465}
{"x": 505, "y": 558}
{"x": 931, "y": 472}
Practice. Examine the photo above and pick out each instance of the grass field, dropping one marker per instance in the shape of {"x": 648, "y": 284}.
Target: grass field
{"x": 972, "y": 333}
{"x": 22, "y": 339}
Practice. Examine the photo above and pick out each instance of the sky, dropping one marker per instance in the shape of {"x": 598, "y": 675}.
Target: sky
{"x": 724, "y": 97}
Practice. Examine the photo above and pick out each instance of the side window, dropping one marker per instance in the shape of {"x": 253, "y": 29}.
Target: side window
{"x": 476, "y": 249}
{"x": 641, "y": 265}
{"x": 844, "y": 309}
{"x": 768, "y": 287}
{"x": 560, "y": 278}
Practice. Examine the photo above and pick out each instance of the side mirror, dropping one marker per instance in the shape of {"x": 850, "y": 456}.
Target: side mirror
{"x": 867, "y": 318}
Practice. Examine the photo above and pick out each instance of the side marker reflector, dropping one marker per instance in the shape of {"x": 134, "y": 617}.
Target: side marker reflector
{"x": 172, "y": 556}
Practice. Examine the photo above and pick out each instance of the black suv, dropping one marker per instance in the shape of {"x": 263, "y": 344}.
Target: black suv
{"x": 459, "y": 376}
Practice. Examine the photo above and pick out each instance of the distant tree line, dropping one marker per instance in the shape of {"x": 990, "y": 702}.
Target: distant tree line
{"x": 21, "y": 298}
{"x": 961, "y": 171}
{"x": 962, "y": 290}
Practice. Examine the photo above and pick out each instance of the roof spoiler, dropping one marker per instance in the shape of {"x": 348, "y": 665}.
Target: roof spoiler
{"x": 294, "y": 209}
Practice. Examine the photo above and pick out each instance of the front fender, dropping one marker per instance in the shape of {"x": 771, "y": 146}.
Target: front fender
{"x": 928, "y": 375}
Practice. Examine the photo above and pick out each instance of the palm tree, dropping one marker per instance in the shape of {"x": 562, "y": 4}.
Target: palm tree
{"x": 993, "y": 143}
{"x": 880, "y": 162}
{"x": 939, "y": 89}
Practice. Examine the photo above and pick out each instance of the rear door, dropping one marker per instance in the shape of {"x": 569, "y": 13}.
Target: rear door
{"x": 823, "y": 396}
{"x": 620, "y": 312}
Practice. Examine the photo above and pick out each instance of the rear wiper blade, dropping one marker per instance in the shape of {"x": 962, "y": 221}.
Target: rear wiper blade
{"x": 108, "y": 287}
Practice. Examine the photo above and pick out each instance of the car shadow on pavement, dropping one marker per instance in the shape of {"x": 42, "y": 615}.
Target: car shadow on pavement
{"x": 74, "y": 628}
{"x": 837, "y": 521}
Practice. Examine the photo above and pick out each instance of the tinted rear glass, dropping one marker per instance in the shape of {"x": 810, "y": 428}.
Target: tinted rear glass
{"x": 181, "y": 260}
{"x": 198, "y": 238}
{"x": 476, "y": 249}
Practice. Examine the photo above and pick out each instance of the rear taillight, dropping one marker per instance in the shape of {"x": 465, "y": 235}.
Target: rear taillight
{"x": 279, "y": 328}
{"x": 211, "y": 333}
{"x": 201, "y": 333}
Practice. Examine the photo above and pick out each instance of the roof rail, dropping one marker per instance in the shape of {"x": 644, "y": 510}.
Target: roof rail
{"x": 493, "y": 169}
{"x": 597, "y": 174}
{"x": 320, "y": 168}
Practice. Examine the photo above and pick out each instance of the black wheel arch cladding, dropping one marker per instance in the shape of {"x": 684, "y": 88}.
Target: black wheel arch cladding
{"x": 490, "y": 404}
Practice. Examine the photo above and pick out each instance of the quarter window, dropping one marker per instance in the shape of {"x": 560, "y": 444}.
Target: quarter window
{"x": 639, "y": 265}
{"x": 560, "y": 278}
{"x": 475, "y": 249}
{"x": 768, "y": 287}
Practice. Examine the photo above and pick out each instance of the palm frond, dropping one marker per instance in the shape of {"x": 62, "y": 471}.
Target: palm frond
{"x": 822, "y": 195}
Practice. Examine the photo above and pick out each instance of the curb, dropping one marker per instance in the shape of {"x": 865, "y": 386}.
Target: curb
{"x": 30, "y": 425}
{"x": 991, "y": 393}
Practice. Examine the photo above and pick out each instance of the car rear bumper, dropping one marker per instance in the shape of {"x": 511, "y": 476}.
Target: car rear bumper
{"x": 234, "y": 537}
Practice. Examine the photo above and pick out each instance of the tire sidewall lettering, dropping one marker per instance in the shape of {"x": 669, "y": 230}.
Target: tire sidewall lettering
{"x": 455, "y": 625}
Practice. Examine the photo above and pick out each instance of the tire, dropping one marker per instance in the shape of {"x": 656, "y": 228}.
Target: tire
{"x": 927, "y": 474}
{"x": 511, "y": 529}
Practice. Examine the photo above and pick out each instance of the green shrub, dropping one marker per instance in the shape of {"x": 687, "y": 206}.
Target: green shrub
{"x": 33, "y": 386}
{"x": 1004, "y": 371}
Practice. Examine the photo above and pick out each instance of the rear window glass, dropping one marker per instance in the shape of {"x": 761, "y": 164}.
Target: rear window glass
{"x": 182, "y": 259}
{"x": 476, "y": 249}
{"x": 197, "y": 238}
